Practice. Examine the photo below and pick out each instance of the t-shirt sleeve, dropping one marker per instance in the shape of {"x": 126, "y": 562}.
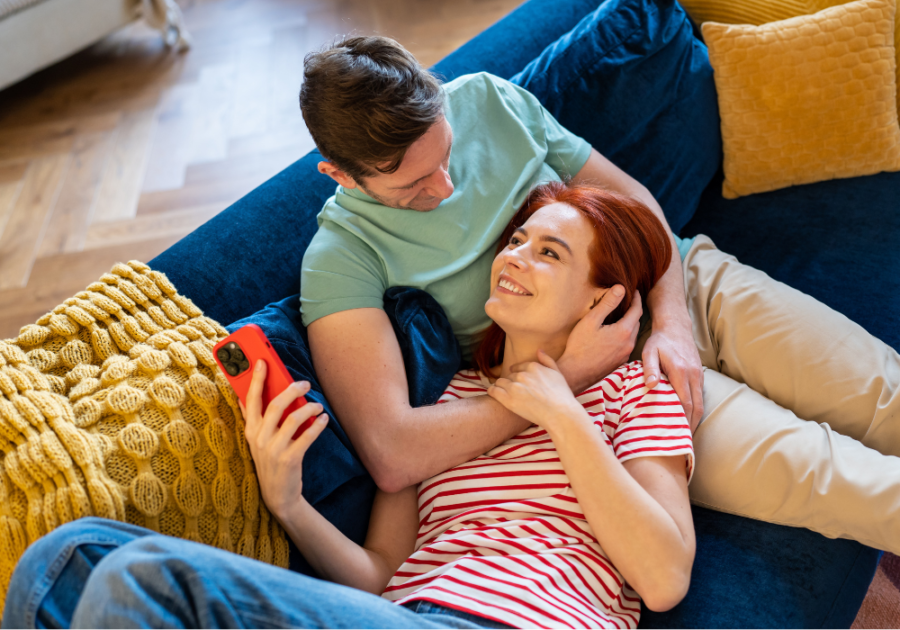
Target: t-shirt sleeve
{"x": 340, "y": 272}
{"x": 465, "y": 384}
{"x": 567, "y": 153}
{"x": 652, "y": 422}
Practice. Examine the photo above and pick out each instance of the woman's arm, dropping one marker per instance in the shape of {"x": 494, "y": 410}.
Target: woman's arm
{"x": 639, "y": 511}
{"x": 389, "y": 542}
{"x": 279, "y": 463}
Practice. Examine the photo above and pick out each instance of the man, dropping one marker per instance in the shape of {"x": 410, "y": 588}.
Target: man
{"x": 430, "y": 175}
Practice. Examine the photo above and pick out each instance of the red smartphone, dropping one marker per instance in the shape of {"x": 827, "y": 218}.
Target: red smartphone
{"x": 238, "y": 353}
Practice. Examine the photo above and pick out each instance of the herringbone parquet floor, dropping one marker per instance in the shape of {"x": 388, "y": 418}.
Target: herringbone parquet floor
{"x": 122, "y": 149}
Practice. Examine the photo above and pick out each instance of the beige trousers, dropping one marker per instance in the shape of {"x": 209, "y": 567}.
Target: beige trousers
{"x": 801, "y": 422}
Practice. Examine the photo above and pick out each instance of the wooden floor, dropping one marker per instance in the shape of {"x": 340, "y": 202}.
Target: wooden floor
{"x": 122, "y": 149}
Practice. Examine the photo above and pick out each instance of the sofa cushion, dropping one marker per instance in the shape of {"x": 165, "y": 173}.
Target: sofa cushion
{"x": 762, "y": 11}
{"x": 806, "y": 99}
{"x": 632, "y": 80}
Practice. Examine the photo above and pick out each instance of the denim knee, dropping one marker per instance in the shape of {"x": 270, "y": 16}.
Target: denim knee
{"x": 49, "y": 576}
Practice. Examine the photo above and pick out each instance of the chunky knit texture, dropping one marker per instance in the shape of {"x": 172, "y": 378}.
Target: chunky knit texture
{"x": 112, "y": 405}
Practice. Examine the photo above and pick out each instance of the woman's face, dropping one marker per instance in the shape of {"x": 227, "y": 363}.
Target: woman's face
{"x": 540, "y": 281}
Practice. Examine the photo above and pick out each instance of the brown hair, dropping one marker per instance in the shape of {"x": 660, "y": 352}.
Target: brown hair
{"x": 630, "y": 248}
{"x": 365, "y": 100}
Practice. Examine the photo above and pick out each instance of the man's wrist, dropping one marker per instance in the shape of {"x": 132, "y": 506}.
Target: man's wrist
{"x": 574, "y": 374}
{"x": 669, "y": 313}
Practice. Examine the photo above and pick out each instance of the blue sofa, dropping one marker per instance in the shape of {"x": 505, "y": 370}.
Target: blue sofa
{"x": 656, "y": 116}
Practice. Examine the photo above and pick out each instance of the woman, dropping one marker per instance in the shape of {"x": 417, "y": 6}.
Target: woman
{"x": 565, "y": 525}
{"x": 503, "y": 536}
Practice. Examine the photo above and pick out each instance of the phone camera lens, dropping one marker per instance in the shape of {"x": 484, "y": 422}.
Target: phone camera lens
{"x": 224, "y": 355}
{"x": 232, "y": 369}
{"x": 245, "y": 365}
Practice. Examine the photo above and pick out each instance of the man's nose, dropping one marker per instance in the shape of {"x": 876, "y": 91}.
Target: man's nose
{"x": 442, "y": 185}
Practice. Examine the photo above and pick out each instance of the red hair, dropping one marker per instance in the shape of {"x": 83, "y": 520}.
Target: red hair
{"x": 630, "y": 248}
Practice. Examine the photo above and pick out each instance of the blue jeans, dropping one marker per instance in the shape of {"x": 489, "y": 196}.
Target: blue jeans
{"x": 95, "y": 573}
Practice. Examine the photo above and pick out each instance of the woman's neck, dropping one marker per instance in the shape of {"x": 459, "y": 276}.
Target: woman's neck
{"x": 524, "y": 348}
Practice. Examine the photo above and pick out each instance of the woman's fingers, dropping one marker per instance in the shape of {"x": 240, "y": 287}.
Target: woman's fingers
{"x": 302, "y": 443}
{"x": 498, "y": 393}
{"x": 254, "y": 394}
{"x": 295, "y": 419}
{"x": 547, "y": 361}
{"x": 282, "y": 401}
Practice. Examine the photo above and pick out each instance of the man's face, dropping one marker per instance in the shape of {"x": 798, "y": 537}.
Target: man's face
{"x": 422, "y": 182}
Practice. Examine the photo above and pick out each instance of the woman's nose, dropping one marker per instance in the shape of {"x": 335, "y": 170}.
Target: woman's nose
{"x": 514, "y": 257}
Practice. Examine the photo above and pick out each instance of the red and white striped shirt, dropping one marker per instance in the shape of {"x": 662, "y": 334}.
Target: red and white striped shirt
{"x": 503, "y": 536}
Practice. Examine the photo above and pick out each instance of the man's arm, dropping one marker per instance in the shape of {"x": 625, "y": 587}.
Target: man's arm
{"x": 671, "y": 346}
{"x": 361, "y": 370}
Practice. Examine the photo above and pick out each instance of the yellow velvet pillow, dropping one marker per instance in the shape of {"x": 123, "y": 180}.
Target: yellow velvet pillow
{"x": 806, "y": 99}
{"x": 758, "y": 12}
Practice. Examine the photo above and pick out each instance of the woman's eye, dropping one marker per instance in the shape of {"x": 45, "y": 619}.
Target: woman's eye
{"x": 514, "y": 241}
{"x": 550, "y": 252}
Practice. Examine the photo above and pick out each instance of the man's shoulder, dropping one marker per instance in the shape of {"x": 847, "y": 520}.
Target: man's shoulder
{"x": 336, "y": 235}
{"x": 475, "y": 81}
{"x": 479, "y": 86}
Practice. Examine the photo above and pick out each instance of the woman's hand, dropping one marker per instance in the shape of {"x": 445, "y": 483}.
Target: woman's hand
{"x": 539, "y": 393}
{"x": 278, "y": 459}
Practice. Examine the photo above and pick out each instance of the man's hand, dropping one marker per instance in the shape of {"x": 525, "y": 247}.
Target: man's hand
{"x": 672, "y": 349}
{"x": 594, "y": 350}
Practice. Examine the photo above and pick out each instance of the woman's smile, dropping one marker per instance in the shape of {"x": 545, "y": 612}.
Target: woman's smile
{"x": 510, "y": 286}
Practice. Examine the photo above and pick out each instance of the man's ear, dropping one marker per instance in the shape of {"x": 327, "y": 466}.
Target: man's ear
{"x": 330, "y": 169}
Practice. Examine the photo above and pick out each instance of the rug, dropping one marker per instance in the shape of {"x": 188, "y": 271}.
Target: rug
{"x": 881, "y": 607}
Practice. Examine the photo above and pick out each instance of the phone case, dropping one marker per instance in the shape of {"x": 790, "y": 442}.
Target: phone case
{"x": 238, "y": 353}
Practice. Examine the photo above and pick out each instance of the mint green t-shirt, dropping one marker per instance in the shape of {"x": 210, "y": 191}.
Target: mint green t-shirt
{"x": 504, "y": 143}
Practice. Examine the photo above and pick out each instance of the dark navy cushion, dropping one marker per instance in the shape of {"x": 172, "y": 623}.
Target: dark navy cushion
{"x": 632, "y": 80}
{"x": 837, "y": 240}
{"x": 517, "y": 38}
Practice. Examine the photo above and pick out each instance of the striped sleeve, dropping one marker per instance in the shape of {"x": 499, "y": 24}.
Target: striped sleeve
{"x": 465, "y": 384}
{"x": 652, "y": 421}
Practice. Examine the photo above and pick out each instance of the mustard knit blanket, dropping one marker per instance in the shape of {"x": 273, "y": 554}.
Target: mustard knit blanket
{"x": 112, "y": 405}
